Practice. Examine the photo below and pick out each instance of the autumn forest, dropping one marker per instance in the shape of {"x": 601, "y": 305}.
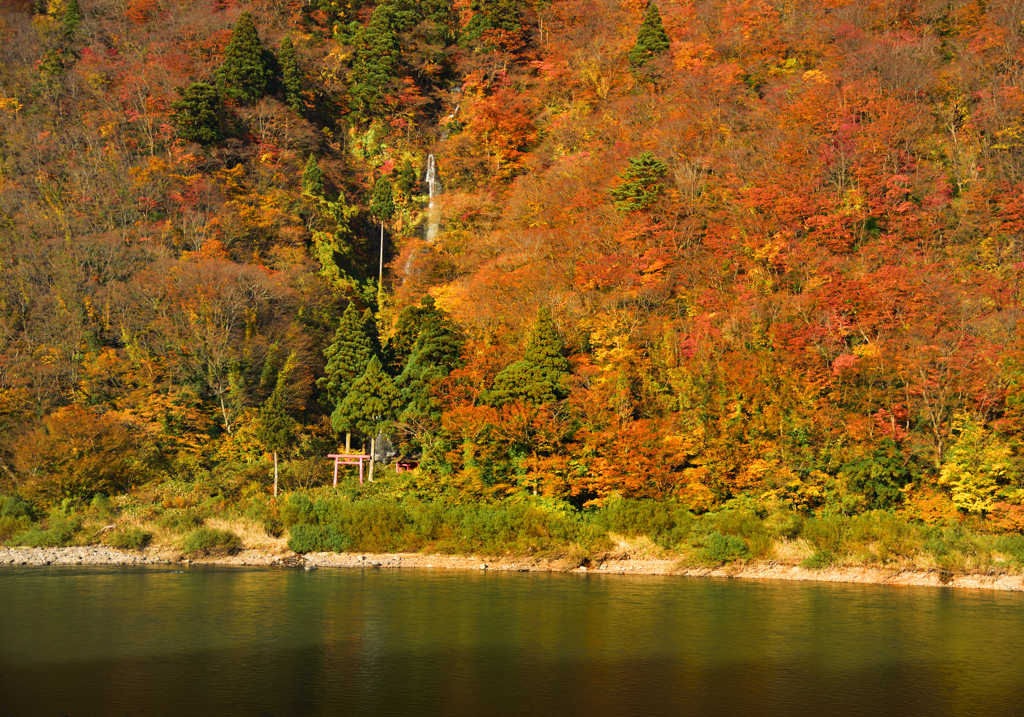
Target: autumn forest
{"x": 716, "y": 255}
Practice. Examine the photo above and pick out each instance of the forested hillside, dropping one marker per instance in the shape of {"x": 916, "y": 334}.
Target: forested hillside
{"x": 689, "y": 251}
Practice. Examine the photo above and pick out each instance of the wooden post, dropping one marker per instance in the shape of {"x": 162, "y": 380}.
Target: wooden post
{"x": 335, "y": 471}
{"x": 275, "y": 474}
{"x": 373, "y": 453}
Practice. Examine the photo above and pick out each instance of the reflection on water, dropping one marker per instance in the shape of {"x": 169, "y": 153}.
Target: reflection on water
{"x": 280, "y": 642}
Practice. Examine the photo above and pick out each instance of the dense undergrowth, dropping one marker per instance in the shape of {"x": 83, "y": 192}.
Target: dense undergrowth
{"x": 209, "y": 519}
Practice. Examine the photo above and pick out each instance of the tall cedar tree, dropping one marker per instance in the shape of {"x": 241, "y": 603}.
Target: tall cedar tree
{"x": 275, "y": 429}
{"x": 502, "y": 15}
{"x": 313, "y": 178}
{"x": 382, "y": 204}
{"x": 376, "y": 59}
{"x": 371, "y": 404}
{"x": 640, "y": 187}
{"x": 436, "y": 353}
{"x": 198, "y": 114}
{"x": 347, "y": 358}
{"x": 291, "y": 78}
{"x": 441, "y": 13}
{"x": 651, "y": 40}
{"x": 403, "y": 15}
{"x": 245, "y": 73}
{"x": 408, "y": 179}
{"x": 72, "y": 17}
{"x": 411, "y": 323}
{"x": 540, "y": 377}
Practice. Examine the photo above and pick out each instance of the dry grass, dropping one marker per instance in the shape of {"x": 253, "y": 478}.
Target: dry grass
{"x": 791, "y": 552}
{"x": 253, "y": 536}
{"x": 638, "y": 547}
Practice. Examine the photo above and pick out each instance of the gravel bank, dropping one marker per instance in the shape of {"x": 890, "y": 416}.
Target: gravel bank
{"x": 89, "y": 555}
{"x": 600, "y": 565}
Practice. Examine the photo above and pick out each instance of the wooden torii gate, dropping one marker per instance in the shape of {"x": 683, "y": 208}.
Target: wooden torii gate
{"x": 349, "y": 459}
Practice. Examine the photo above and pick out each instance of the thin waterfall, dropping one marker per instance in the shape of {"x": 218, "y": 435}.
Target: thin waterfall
{"x": 434, "y": 189}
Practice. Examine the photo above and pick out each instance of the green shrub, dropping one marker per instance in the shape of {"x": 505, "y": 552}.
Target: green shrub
{"x": 828, "y": 534}
{"x": 297, "y": 510}
{"x": 739, "y": 523}
{"x": 58, "y": 534}
{"x": 317, "y": 538}
{"x": 102, "y": 505}
{"x": 211, "y": 542}
{"x": 181, "y": 520}
{"x": 14, "y": 507}
{"x": 129, "y": 539}
{"x": 719, "y": 549}
{"x": 11, "y": 526}
{"x": 1012, "y": 545}
{"x": 667, "y": 524}
{"x": 818, "y": 561}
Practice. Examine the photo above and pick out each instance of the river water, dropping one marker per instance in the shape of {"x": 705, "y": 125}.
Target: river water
{"x": 118, "y": 641}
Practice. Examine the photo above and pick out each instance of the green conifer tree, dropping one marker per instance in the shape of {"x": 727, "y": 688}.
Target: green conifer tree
{"x": 291, "y": 78}
{"x": 198, "y": 114}
{"x": 313, "y": 178}
{"x": 492, "y": 15}
{"x": 375, "y": 62}
{"x": 540, "y": 377}
{"x": 371, "y": 404}
{"x": 411, "y": 323}
{"x": 441, "y": 14}
{"x": 407, "y": 179}
{"x": 347, "y": 358}
{"x": 72, "y": 17}
{"x": 245, "y": 73}
{"x": 437, "y": 351}
{"x": 651, "y": 40}
{"x": 275, "y": 429}
{"x": 402, "y": 14}
{"x": 640, "y": 186}
{"x": 382, "y": 204}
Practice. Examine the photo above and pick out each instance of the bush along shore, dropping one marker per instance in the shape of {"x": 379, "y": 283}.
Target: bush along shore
{"x": 387, "y": 524}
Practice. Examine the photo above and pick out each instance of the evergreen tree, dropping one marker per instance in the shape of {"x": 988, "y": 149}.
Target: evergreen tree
{"x": 198, "y": 114}
{"x": 437, "y": 351}
{"x": 313, "y": 178}
{"x": 403, "y": 15}
{"x": 493, "y": 15}
{"x": 347, "y": 358}
{"x": 72, "y": 17}
{"x": 376, "y": 59}
{"x": 540, "y": 377}
{"x": 441, "y": 14}
{"x": 382, "y": 204}
{"x": 408, "y": 179}
{"x": 651, "y": 40}
{"x": 411, "y": 323}
{"x": 245, "y": 73}
{"x": 640, "y": 187}
{"x": 275, "y": 429}
{"x": 370, "y": 406}
{"x": 291, "y": 78}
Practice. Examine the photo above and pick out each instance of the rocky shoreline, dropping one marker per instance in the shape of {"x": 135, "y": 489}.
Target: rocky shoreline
{"x": 601, "y": 565}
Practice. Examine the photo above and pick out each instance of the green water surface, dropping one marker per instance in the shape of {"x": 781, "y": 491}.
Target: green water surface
{"x": 117, "y": 641}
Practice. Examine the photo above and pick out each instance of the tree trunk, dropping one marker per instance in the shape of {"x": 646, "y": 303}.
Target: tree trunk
{"x": 380, "y": 276}
{"x": 373, "y": 455}
{"x": 275, "y": 474}
{"x": 348, "y": 443}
